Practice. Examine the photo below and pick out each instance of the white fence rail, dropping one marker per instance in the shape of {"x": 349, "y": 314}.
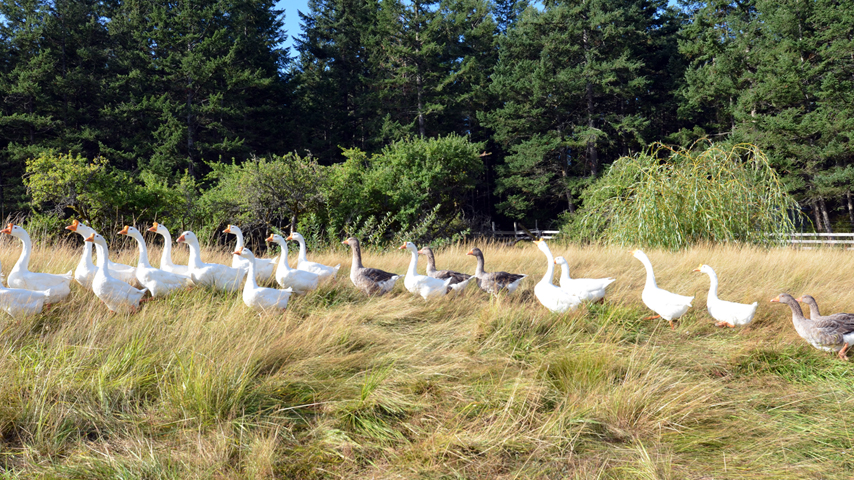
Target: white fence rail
{"x": 807, "y": 240}
{"x": 519, "y": 234}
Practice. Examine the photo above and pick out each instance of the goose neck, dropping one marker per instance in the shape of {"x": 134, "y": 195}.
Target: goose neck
{"x": 24, "y": 260}
{"x": 143, "y": 250}
{"x": 713, "y": 286}
{"x": 302, "y": 250}
{"x": 479, "y": 271}
{"x": 102, "y": 262}
{"x": 550, "y": 270}
{"x": 86, "y": 259}
{"x": 283, "y": 256}
{"x": 166, "y": 256}
{"x": 431, "y": 261}
{"x": 413, "y": 264}
{"x": 564, "y": 272}
{"x": 650, "y": 276}
{"x": 195, "y": 254}
{"x": 250, "y": 277}
{"x": 239, "y": 246}
{"x": 357, "y": 255}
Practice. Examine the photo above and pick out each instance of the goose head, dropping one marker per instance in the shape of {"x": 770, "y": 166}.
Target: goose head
{"x": 81, "y": 228}
{"x": 276, "y": 238}
{"x": 97, "y": 239}
{"x": 188, "y": 237}
{"x": 158, "y": 228}
{"x": 475, "y": 252}
{"x": 299, "y": 238}
{"x": 408, "y": 246}
{"x": 233, "y": 229}
{"x": 425, "y": 251}
{"x": 541, "y": 244}
{"x": 704, "y": 269}
{"x": 639, "y": 255}
{"x": 14, "y": 230}
{"x": 784, "y": 298}
{"x": 245, "y": 253}
{"x": 352, "y": 241}
{"x": 560, "y": 261}
{"x": 128, "y": 230}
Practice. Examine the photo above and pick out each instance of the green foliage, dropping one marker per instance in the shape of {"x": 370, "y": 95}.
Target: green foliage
{"x": 676, "y": 198}
{"x": 416, "y": 186}
{"x": 261, "y": 193}
{"x": 103, "y": 196}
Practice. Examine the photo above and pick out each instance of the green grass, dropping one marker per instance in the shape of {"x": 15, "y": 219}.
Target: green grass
{"x": 346, "y": 386}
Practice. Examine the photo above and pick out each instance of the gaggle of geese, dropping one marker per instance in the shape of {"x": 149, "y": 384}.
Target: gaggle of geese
{"x": 122, "y": 287}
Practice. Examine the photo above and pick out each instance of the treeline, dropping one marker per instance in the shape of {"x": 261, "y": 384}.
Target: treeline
{"x": 174, "y": 94}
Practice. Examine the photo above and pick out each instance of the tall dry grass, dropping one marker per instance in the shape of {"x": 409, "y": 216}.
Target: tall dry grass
{"x": 345, "y": 386}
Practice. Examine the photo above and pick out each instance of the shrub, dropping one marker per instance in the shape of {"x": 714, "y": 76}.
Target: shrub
{"x": 674, "y": 198}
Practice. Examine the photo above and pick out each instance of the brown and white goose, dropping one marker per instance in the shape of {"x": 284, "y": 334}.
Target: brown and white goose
{"x": 493, "y": 282}
{"x": 459, "y": 281}
{"x": 824, "y": 333}
{"x": 815, "y": 314}
{"x": 372, "y": 281}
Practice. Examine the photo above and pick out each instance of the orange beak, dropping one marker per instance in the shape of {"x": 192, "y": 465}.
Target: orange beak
{"x": 401, "y": 247}
{"x": 345, "y": 242}
{"x": 269, "y": 239}
{"x": 181, "y": 238}
{"x": 800, "y": 299}
{"x": 153, "y": 227}
{"x": 776, "y": 299}
{"x": 90, "y": 238}
{"x": 291, "y": 237}
{"x": 8, "y": 229}
{"x": 471, "y": 252}
{"x": 227, "y": 229}
{"x": 124, "y": 231}
{"x": 555, "y": 262}
{"x": 73, "y": 226}
{"x": 237, "y": 252}
{"x": 697, "y": 269}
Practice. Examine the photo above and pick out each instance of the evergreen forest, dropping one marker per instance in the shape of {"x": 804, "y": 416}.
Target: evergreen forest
{"x": 400, "y": 115}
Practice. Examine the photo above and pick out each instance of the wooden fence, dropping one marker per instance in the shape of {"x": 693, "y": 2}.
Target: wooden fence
{"x": 518, "y": 234}
{"x": 809, "y": 240}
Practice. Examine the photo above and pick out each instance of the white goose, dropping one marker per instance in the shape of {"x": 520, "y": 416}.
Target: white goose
{"x": 220, "y": 277}
{"x": 158, "y": 282}
{"x": 323, "y": 271}
{"x": 592, "y": 289}
{"x": 728, "y": 314}
{"x": 19, "y": 303}
{"x": 85, "y": 271}
{"x": 299, "y": 280}
{"x": 166, "y": 256}
{"x": 57, "y": 286}
{"x": 427, "y": 287}
{"x": 551, "y": 296}
{"x": 667, "y": 305}
{"x": 116, "y": 294}
{"x": 264, "y": 267}
{"x": 260, "y": 297}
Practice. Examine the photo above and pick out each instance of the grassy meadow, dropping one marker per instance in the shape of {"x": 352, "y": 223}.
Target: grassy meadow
{"x": 345, "y": 386}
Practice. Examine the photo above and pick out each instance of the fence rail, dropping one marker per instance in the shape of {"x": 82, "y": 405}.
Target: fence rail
{"x": 519, "y": 234}
{"x": 799, "y": 239}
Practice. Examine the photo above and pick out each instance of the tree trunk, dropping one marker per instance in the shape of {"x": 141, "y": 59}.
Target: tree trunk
{"x": 592, "y": 153}
{"x": 817, "y": 216}
{"x": 565, "y": 174}
{"x": 827, "y": 227}
{"x": 850, "y": 208}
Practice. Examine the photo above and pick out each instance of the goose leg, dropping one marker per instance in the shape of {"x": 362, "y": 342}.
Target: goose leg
{"x": 724, "y": 324}
{"x": 842, "y": 352}
{"x": 671, "y": 324}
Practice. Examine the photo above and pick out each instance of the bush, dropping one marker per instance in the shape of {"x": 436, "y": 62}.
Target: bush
{"x": 675, "y": 198}
{"x": 102, "y": 196}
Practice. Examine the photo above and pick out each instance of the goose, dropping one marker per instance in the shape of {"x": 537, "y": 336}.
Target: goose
{"x": 261, "y": 298}
{"x": 667, "y": 305}
{"x": 493, "y": 282}
{"x": 555, "y": 298}
{"x": 372, "y": 281}
{"x": 727, "y": 314}
{"x": 816, "y": 315}
{"x": 323, "y": 271}
{"x": 427, "y": 287}
{"x": 57, "y": 286}
{"x": 459, "y": 281}
{"x": 826, "y": 333}
{"x": 166, "y": 257}
{"x": 85, "y": 271}
{"x": 300, "y": 281}
{"x": 592, "y": 289}
{"x": 19, "y": 303}
{"x": 158, "y": 282}
{"x": 116, "y": 294}
{"x": 264, "y": 267}
{"x": 220, "y": 277}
